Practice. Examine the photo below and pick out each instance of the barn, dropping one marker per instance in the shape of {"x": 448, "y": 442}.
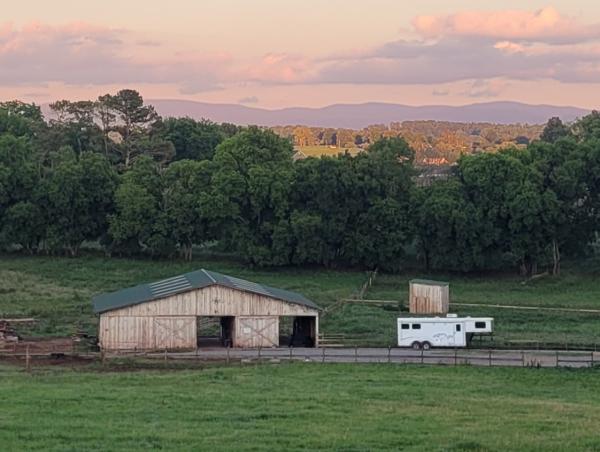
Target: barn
{"x": 169, "y": 314}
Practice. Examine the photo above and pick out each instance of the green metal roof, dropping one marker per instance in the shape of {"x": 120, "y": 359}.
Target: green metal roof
{"x": 186, "y": 282}
{"x": 429, "y": 282}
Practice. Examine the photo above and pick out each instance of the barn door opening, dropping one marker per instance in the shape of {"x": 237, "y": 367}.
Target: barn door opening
{"x": 214, "y": 331}
{"x": 297, "y": 331}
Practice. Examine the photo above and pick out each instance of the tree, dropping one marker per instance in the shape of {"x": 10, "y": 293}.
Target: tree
{"x": 194, "y": 140}
{"x": 18, "y": 171}
{"x": 554, "y": 130}
{"x": 187, "y": 203}
{"x": 320, "y": 212}
{"x": 74, "y": 126}
{"x": 588, "y": 127}
{"x": 446, "y": 226}
{"x": 134, "y": 122}
{"x": 379, "y": 201}
{"x": 562, "y": 170}
{"x": 136, "y": 223}
{"x": 77, "y": 195}
{"x": 23, "y": 224}
{"x": 253, "y": 172}
{"x": 106, "y": 117}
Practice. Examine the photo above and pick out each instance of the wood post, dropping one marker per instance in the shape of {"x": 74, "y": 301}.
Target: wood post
{"x": 389, "y": 354}
{"x": 490, "y": 357}
{"x": 27, "y": 359}
{"x": 323, "y": 355}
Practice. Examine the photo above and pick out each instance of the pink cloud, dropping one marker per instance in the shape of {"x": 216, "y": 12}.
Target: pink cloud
{"x": 279, "y": 68}
{"x": 544, "y": 25}
{"x": 86, "y": 54}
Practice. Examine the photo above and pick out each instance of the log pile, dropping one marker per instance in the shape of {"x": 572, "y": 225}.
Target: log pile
{"x": 7, "y": 333}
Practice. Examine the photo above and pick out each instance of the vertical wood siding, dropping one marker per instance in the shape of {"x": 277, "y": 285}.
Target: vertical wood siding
{"x": 429, "y": 299}
{"x": 171, "y": 322}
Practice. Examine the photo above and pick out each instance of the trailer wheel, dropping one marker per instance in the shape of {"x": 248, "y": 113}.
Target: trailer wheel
{"x": 416, "y": 345}
{"x": 426, "y": 346}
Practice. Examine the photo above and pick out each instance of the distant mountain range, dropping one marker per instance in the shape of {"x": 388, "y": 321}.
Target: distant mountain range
{"x": 356, "y": 116}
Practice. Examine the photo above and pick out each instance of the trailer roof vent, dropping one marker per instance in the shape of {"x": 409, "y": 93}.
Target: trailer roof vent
{"x": 452, "y": 315}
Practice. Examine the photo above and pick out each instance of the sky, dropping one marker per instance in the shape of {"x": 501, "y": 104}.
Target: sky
{"x": 283, "y": 53}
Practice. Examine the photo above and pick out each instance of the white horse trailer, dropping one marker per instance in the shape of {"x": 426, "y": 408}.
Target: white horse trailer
{"x": 450, "y": 331}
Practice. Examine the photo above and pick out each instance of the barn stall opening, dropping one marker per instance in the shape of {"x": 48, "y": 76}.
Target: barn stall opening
{"x": 204, "y": 308}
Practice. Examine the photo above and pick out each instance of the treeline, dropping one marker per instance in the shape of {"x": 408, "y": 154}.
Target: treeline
{"x": 114, "y": 173}
{"x": 432, "y": 141}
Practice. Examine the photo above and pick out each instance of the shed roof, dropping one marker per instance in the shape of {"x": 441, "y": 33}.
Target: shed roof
{"x": 186, "y": 282}
{"x": 429, "y": 282}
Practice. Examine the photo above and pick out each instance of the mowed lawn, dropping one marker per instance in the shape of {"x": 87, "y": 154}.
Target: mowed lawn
{"x": 302, "y": 407}
{"x": 58, "y": 292}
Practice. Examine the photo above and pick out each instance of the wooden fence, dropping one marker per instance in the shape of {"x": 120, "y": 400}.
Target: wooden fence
{"x": 358, "y": 355}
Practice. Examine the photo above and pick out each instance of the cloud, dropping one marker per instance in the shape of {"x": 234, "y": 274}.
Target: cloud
{"x": 480, "y": 47}
{"x": 440, "y": 92}
{"x": 248, "y": 100}
{"x": 86, "y": 54}
{"x": 485, "y": 88}
{"x": 279, "y": 68}
{"x": 517, "y": 45}
{"x": 544, "y": 25}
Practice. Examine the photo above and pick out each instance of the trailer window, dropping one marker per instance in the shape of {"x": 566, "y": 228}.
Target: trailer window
{"x": 480, "y": 325}
{"x": 405, "y": 326}
{"x": 458, "y": 328}
{"x": 416, "y": 326}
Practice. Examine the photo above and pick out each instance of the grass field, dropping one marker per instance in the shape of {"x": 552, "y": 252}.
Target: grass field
{"x": 302, "y": 407}
{"x": 58, "y": 291}
{"x": 318, "y": 151}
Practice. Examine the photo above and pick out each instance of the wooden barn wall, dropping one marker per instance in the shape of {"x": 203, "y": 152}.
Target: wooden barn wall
{"x": 171, "y": 322}
{"x": 147, "y": 333}
{"x": 429, "y": 299}
{"x": 215, "y": 301}
{"x": 254, "y": 332}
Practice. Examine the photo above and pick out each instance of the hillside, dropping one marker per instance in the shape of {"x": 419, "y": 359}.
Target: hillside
{"x": 356, "y": 116}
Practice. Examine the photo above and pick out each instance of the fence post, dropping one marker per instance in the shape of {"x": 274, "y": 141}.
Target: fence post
{"x": 355, "y": 354}
{"x": 291, "y": 351}
{"x": 490, "y": 357}
{"x": 259, "y": 349}
{"x": 523, "y": 358}
{"x": 27, "y": 359}
{"x": 556, "y": 358}
{"x": 227, "y": 355}
{"x": 422, "y": 358}
{"x": 455, "y": 356}
{"x": 592, "y": 361}
{"x": 165, "y": 355}
{"x": 323, "y": 355}
{"x": 389, "y": 354}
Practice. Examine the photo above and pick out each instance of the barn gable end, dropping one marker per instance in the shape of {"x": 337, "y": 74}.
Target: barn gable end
{"x": 164, "y": 315}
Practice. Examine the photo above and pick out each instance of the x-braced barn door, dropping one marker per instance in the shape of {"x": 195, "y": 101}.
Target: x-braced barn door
{"x": 175, "y": 332}
{"x": 257, "y": 332}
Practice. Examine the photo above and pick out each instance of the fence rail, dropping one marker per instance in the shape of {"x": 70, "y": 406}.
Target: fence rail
{"x": 488, "y": 358}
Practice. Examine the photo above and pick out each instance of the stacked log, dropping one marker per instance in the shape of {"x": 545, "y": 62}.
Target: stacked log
{"x": 8, "y": 335}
